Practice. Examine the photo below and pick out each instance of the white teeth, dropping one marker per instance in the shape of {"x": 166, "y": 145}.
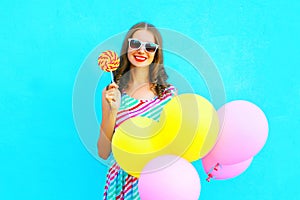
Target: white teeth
{"x": 140, "y": 58}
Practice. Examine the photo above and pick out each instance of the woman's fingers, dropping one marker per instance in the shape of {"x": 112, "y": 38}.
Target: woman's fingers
{"x": 112, "y": 85}
{"x": 111, "y": 91}
{"x": 112, "y": 95}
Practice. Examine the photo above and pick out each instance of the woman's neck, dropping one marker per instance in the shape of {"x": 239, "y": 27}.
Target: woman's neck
{"x": 138, "y": 85}
{"x": 139, "y": 76}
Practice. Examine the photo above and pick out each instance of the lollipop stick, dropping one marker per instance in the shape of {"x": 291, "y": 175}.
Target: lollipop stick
{"x": 112, "y": 77}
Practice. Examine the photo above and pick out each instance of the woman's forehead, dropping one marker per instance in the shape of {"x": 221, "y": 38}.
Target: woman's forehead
{"x": 144, "y": 35}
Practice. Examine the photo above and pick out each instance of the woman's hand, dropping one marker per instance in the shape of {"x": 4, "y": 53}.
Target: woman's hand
{"x": 113, "y": 96}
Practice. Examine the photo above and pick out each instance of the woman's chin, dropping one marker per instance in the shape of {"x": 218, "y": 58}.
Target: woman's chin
{"x": 140, "y": 65}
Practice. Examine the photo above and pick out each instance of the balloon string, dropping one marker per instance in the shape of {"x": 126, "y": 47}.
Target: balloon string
{"x": 215, "y": 168}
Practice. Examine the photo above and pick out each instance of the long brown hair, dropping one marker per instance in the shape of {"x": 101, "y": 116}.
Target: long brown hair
{"x": 157, "y": 71}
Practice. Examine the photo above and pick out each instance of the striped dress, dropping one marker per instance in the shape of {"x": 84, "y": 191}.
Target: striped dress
{"x": 119, "y": 184}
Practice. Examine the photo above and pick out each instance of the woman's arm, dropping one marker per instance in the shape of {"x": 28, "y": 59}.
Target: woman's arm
{"x": 110, "y": 105}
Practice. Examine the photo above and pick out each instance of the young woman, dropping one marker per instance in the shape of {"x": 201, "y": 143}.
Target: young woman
{"x": 139, "y": 89}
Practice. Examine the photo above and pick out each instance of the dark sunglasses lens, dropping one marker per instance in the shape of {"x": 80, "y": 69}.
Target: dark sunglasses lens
{"x": 135, "y": 44}
{"x": 150, "y": 47}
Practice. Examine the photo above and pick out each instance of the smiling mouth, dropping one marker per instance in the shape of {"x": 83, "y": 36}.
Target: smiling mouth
{"x": 140, "y": 58}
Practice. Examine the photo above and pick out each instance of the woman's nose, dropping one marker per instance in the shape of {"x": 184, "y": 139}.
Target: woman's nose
{"x": 142, "y": 49}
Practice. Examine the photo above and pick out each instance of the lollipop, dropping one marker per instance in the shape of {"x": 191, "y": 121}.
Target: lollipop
{"x": 109, "y": 62}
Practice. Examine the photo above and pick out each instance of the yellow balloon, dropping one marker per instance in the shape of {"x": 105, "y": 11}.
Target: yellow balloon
{"x": 188, "y": 127}
{"x": 137, "y": 141}
{"x": 199, "y": 126}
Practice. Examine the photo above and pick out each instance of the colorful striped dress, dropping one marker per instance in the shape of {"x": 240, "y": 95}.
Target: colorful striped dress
{"x": 119, "y": 184}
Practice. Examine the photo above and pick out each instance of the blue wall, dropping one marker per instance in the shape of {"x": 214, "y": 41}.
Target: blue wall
{"x": 255, "y": 46}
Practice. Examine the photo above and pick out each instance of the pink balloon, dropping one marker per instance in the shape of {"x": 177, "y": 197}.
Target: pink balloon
{"x": 221, "y": 172}
{"x": 243, "y": 132}
{"x": 174, "y": 178}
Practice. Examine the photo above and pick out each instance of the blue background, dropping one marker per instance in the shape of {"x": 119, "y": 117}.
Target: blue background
{"x": 255, "y": 46}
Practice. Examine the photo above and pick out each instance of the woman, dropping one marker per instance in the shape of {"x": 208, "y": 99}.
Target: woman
{"x": 140, "y": 89}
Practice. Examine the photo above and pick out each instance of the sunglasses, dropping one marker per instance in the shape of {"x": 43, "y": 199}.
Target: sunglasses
{"x": 136, "y": 44}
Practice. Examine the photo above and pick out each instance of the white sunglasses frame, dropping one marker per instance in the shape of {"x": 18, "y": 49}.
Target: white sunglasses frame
{"x": 142, "y": 45}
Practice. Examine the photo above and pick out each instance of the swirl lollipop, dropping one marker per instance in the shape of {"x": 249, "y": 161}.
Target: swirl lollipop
{"x": 109, "y": 61}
